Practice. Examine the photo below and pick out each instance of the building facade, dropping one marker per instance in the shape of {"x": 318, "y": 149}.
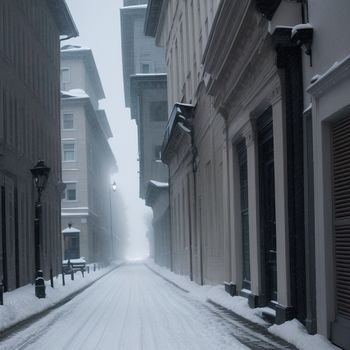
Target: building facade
{"x": 29, "y": 131}
{"x": 145, "y": 88}
{"x": 87, "y": 161}
{"x": 327, "y": 86}
{"x": 257, "y": 151}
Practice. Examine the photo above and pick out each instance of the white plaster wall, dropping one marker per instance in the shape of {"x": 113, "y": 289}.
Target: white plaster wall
{"x": 329, "y": 102}
{"x": 184, "y": 36}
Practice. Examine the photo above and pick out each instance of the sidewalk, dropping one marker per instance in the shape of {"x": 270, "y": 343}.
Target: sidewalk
{"x": 22, "y": 307}
{"x": 292, "y": 331}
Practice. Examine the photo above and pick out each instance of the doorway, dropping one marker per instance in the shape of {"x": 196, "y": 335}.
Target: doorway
{"x": 267, "y": 207}
{"x": 71, "y": 246}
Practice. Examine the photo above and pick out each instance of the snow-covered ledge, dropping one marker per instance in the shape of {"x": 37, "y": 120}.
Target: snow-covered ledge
{"x": 337, "y": 72}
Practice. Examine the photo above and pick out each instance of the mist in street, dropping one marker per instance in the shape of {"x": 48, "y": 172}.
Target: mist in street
{"x": 98, "y": 23}
{"x": 174, "y": 174}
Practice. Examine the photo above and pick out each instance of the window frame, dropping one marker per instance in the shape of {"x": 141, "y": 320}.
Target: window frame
{"x": 73, "y": 121}
{"x": 150, "y": 66}
{"x": 66, "y": 199}
{"x": 66, "y": 142}
{"x": 69, "y": 75}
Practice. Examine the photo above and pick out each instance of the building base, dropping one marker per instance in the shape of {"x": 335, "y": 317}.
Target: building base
{"x": 284, "y": 313}
{"x": 230, "y": 288}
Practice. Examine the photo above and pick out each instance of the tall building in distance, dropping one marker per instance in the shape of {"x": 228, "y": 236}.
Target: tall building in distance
{"x": 88, "y": 162}
{"x": 29, "y": 132}
{"x": 145, "y": 90}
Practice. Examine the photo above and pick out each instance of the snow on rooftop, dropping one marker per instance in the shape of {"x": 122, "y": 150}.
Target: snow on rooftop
{"x": 301, "y": 26}
{"x": 148, "y": 74}
{"x": 74, "y": 48}
{"x": 336, "y": 65}
{"x": 77, "y": 93}
{"x": 81, "y": 260}
{"x": 308, "y": 108}
{"x": 142, "y": 6}
{"x": 183, "y": 127}
{"x": 70, "y": 230}
{"x": 159, "y": 184}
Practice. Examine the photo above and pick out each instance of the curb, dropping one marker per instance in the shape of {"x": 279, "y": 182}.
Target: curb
{"x": 166, "y": 279}
{"x": 7, "y": 332}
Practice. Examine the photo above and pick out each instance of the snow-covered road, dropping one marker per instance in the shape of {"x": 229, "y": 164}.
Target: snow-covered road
{"x": 132, "y": 308}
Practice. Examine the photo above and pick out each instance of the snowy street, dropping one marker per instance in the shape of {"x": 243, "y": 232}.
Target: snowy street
{"x": 133, "y": 308}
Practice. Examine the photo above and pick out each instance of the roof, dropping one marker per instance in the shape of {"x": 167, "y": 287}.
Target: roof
{"x": 80, "y": 94}
{"x": 138, "y": 84}
{"x": 154, "y": 189}
{"x": 179, "y": 122}
{"x": 74, "y": 93}
{"x": 128, "y": 15}
{"x": 102, "y": 119}
{"x": 63, "y": 17}
{"x": 159, "y": 184}
{"x": 70, "y": 230}
{"x": 76, "y": 51}
{"x": 152, "y": 17}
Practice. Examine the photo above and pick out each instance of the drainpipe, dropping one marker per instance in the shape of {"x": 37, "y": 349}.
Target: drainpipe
{"x": 228, "y": 202}
{"x": 194, "y": 150}
{"x": 170, "y": 227}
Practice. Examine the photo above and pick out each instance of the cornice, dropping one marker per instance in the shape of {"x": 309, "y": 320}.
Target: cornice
{"x": 225, "y": 29}
{"x": 245, "y": 43}
{"x": 334, "y": 75}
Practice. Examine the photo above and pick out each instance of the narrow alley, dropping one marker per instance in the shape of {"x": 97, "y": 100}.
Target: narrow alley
{"x": 133, "y": 308}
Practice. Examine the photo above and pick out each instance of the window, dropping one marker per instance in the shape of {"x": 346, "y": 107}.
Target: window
{"x": 157, "y": 152}
{"x": 69, "y": 152}
{"x": 159, "y": 111}
{"x": 146, "y": 67}
{"x": 65, "y": 75}
{"x": 71, "y": 246}
{"x": 68, "y": 121}
{"x": 71, "y": 192}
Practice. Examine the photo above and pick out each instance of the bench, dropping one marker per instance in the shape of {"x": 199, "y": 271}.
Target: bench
{"x": 73, "y": 265}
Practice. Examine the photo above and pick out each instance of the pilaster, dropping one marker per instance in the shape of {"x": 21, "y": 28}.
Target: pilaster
{"x": 253, "y": 205}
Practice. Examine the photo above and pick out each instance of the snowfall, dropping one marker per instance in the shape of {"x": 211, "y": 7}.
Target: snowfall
{"x": 142, "y": 306}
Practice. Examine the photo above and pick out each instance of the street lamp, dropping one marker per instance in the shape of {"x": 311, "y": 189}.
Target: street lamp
{"x": 40, "y": 175}
{"x": 114, "y": 188}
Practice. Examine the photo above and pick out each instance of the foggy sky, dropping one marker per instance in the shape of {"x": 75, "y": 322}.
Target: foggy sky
{"x": 98, "y": 22}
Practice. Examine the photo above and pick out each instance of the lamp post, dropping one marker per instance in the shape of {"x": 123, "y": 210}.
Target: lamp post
{"x": 114, "y": 188}
{"x": 40, "y": 175}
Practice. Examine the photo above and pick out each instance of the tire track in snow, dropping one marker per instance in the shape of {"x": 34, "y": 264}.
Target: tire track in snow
{"x": 131, "y": 309}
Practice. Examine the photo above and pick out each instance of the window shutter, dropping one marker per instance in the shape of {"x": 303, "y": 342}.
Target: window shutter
{"x": 341, "y": 186}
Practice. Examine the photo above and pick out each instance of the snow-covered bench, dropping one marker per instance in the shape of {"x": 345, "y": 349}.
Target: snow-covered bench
{"x": 73, "y": 265}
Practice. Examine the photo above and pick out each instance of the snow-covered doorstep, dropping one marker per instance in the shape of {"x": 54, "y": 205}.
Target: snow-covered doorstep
{"x": 291, "y": 331}
{"x": 22, "y": 303}
{"x": 295, "y": 333}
